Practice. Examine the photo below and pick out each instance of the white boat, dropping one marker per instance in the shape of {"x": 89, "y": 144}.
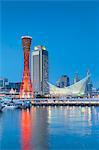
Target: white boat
{"x": 10, "y": 106}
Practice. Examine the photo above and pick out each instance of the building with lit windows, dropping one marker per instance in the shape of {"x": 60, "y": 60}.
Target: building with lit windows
{"x": 39, "y": 70}
{"x": 3, "y": 83}
{"x": 89, "y": 86}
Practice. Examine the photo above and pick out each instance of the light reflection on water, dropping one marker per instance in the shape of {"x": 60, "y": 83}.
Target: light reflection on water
{"x": 25, "y": 129}
{"x": 42, "y": 128}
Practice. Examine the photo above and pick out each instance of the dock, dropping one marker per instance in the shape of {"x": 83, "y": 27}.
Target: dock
{"x": 57, "y": 101}
{"x": 66, "y": 102}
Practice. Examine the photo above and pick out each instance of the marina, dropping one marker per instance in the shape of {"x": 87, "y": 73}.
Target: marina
{"x": 28, "y": 103}
{"x": 49, "y": 77}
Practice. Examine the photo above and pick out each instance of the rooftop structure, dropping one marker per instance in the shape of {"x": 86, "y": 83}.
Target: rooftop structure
{"x": 26, "y": 36}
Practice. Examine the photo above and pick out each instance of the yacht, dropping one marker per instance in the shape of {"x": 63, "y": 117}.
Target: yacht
{"x": 10, "y": 106}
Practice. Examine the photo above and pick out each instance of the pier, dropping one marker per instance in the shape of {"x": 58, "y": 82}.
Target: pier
{"x": 55, "y": 101}
{"x": 66, "y": 102}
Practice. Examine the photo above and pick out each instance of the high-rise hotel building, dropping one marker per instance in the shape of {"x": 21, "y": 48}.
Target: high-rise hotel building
{"x": 40, "y": 70}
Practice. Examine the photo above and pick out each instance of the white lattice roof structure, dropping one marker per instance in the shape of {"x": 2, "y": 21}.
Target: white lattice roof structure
{"x": 77, "y": 89}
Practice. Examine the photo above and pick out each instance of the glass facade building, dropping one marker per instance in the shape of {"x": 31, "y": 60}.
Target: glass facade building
{"x": 40, "y": 70}
{"x": 3, "y": 83}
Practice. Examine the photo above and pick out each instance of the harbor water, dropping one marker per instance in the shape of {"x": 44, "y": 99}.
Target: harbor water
{"x": 50, "y": 128}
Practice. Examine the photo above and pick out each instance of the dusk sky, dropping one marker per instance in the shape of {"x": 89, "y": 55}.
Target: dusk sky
{"x": 69, "y": 30}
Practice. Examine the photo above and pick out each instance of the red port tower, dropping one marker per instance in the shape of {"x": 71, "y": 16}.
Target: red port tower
{"x": 26, "y": 89}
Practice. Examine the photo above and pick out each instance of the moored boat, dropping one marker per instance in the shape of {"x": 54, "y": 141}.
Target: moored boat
{"x": 10, "y": 106}
{"x": 24, "y": 104}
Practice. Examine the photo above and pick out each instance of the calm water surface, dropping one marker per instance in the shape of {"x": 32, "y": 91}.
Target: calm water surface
{"x": 50, "y": 128}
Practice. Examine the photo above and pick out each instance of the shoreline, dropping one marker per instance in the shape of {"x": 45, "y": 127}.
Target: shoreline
{"x": 66, "y": 103}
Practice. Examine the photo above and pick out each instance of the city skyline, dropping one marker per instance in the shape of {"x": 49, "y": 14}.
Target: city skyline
{"x": 71, "y": 38}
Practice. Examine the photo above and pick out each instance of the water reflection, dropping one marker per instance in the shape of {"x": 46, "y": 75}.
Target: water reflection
{"x": 0, "y": 129}
{"x": 76, "y": 125}
{"x": 34, "y": 129}
{"x": 40, "y": 136}
{"x": 45, "y": 128}
{"x": 26, "y": 129}
{"x": 72, "y": 118}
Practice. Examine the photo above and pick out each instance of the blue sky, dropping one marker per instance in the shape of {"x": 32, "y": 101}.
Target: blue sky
{"x": 69, "y": 30}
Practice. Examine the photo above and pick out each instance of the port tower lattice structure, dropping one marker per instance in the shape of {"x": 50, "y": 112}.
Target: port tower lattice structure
{"x": 26, "y": 89}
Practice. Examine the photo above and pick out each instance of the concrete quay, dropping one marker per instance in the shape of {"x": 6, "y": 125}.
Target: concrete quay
{"x": 73, "y": 102}
{"x": 56, "y": 101}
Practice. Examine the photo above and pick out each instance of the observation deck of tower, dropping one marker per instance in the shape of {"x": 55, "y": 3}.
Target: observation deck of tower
{"x": 26, "y": 89}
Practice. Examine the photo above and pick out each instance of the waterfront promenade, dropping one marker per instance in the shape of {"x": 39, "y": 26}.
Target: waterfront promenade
{"x": 66, "y": 102}
{"x": 57, "y": 101}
